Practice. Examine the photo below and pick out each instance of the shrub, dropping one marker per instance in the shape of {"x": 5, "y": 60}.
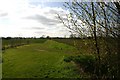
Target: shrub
{"x": 68, "y": 59}
{"x": 86, "y": 61}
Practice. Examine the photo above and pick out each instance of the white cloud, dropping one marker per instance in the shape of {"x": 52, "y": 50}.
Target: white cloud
{"x": 14, "y": 19}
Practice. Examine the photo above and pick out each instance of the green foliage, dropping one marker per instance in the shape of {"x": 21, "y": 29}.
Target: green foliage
{"x": 68, "y": 59}
{"x": 86, "y": 61}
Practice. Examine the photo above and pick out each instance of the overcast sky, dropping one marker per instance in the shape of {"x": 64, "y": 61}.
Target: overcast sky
{"x": 30, "y": 18}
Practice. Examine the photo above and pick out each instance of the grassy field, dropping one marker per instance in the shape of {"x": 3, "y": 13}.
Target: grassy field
{"x": 54, "y": 58}
{"x": 82, "y": 45}
{"x": 39, "y": 60}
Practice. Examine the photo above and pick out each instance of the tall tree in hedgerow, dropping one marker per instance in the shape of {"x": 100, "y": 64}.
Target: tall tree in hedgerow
{"x": 101, "y": 22}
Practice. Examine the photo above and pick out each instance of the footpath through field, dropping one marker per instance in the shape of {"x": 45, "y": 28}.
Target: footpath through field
{"x": 39, "y": 60}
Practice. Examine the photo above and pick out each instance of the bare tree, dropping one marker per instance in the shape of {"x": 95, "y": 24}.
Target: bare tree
{"x": 92, "y": 19}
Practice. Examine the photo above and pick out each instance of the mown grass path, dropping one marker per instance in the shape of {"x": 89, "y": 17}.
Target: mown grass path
{"x": 39, "y": 60}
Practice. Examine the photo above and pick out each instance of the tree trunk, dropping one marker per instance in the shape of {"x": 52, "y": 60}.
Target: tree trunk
{"x": 96, "y": 42}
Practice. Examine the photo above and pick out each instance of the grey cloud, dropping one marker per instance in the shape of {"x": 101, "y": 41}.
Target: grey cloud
{"x": 51, "y": 11}
{"x": 62, "y": 30}
{"x": 35, "y": 28}
{"x": 38, "y": 28}
{"x": 3, "y": 14}
{"x": 61, "y": 13}
{"x": 56, "y": 11}
{"x": 44, "y": 20}
{"x": 40, "y": 32}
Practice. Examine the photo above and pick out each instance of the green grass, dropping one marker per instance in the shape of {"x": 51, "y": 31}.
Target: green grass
{"x": 39, "y": 60}
{"x": 84, "y": 46}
